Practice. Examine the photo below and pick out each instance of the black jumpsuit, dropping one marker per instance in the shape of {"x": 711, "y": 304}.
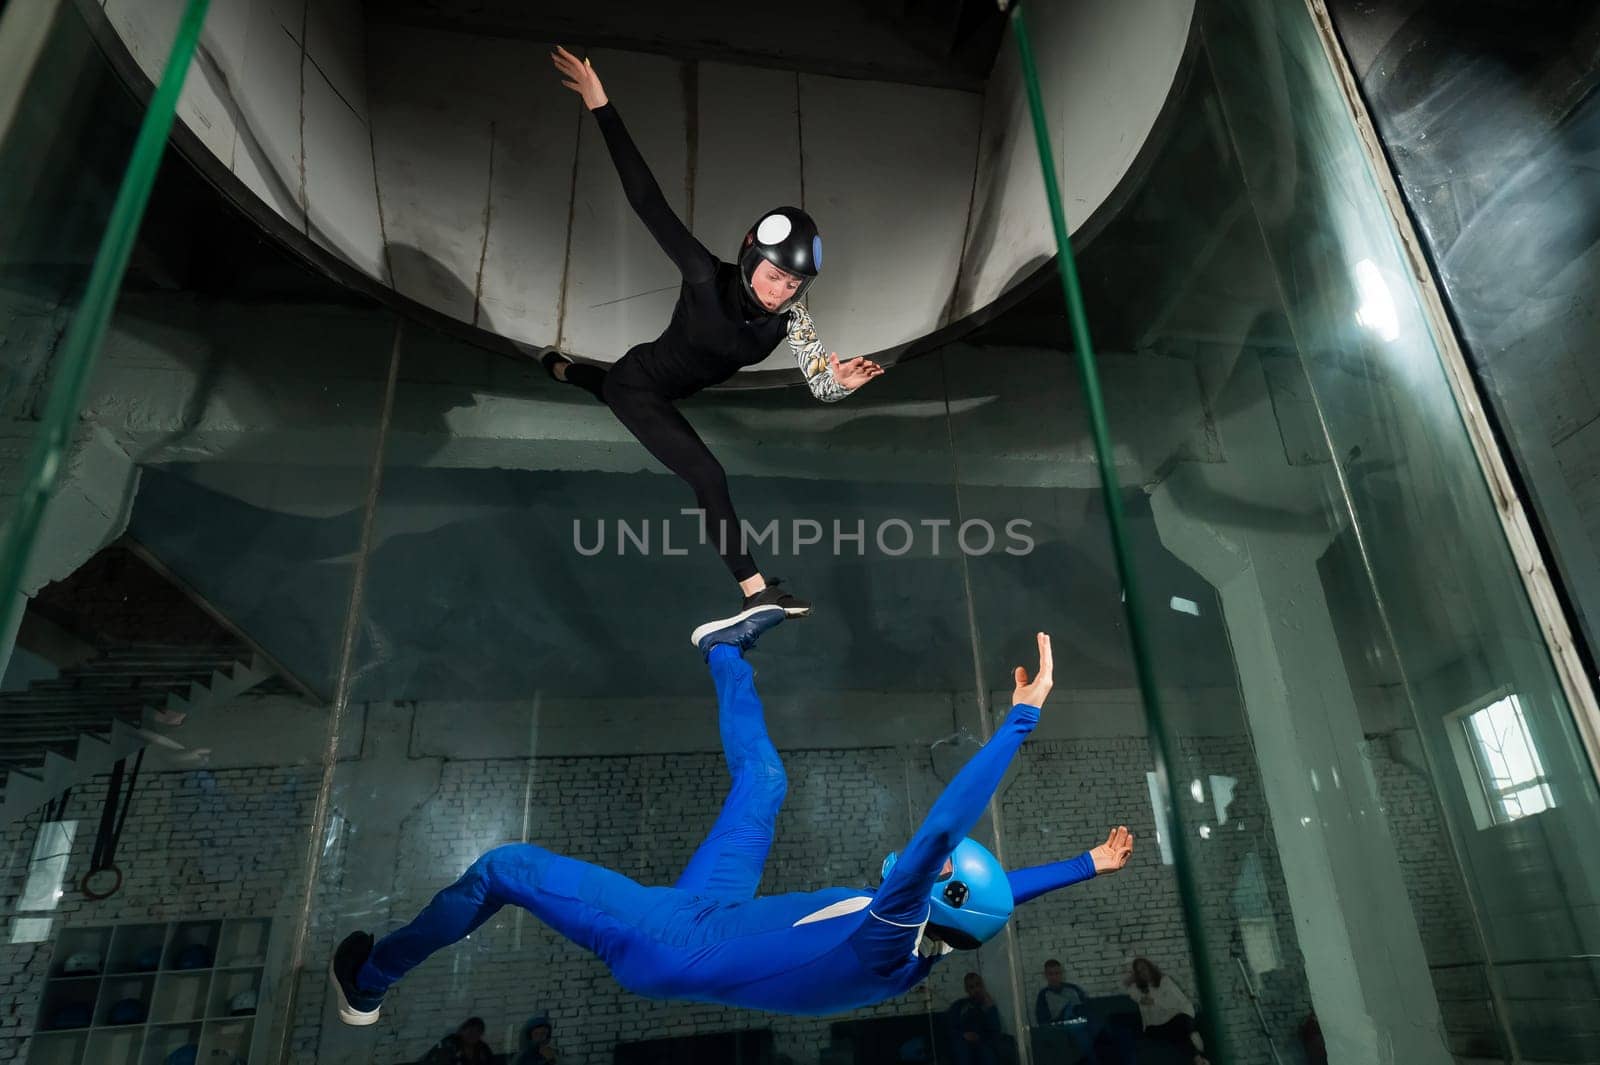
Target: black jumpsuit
{"x": 716, "y": 328}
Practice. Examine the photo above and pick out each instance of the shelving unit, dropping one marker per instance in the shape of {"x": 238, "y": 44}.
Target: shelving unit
{"x": 166, "y": 986}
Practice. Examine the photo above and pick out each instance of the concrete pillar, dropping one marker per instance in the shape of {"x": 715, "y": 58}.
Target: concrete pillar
{"x": 8, "y": 638}
{"x": 88, "y": 509}
{"x": 1254, "y": 527}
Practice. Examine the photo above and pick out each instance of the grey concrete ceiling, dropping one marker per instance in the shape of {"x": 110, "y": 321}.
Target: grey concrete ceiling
{"x": 945, "y": 43}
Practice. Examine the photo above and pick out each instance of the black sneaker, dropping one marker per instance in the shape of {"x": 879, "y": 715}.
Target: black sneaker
{"x": 772, "y": 596}
{"x": 742, "y": 630}
{"x": 356, "y": 1007}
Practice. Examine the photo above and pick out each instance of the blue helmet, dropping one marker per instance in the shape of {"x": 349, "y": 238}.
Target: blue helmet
{"x": 127, "y": 1011}
{"x": 194, "y": 956}
{"x": 971, "y": 901}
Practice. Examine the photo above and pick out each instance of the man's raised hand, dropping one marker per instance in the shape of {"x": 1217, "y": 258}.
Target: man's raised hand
{"x": 1114, "y": 853}
{"x": 1033, "y": 692}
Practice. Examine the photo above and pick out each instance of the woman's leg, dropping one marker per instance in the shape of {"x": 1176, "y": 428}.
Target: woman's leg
{"x": 590, "y": 378}
{"x": 1180, "y": 1032}
{"x": 728, "y": 864}
{"x": 570, "y": 896}
{"x": 667, "y": 435}
{"x": 1176, "y": 1031}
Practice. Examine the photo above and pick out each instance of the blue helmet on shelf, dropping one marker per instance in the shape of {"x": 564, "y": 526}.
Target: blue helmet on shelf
{"x": 126, "y": 1011}
{"x": 185, "y": 1055}
{"x": 72, "y": 1015}
{"x": 971, "y": 901}
{"x": 194, "y": 956}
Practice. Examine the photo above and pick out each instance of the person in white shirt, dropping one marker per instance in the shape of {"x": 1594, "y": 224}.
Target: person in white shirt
{"x": 1167, "y": 1012}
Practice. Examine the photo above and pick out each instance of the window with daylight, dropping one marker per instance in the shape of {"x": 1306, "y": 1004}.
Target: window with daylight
{"x": 1504, "y": 762}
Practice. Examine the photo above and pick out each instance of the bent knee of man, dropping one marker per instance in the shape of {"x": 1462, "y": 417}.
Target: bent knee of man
{"x": 769, "y": 775}
{"x": 496, "y": 864}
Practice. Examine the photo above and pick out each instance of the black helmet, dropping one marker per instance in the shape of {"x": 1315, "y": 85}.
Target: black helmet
{"x": 787, "y": 238}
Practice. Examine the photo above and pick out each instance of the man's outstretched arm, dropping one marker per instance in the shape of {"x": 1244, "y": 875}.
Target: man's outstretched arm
{"x": 1108, "y": 857}
{"x": 903, "y": 898}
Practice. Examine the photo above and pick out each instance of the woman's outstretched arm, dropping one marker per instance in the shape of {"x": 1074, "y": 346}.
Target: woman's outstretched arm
{"x": 811, "y": 357}
{"x": 829, "y": 379}
{"x": 693, "y": 261}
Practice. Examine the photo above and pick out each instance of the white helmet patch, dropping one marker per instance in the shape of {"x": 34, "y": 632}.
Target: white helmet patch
{"x": 773, "y": 228}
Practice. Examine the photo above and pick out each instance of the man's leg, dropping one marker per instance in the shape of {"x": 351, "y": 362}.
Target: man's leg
{"x": 570, "y": 896}
{"x": 728, "y": 864}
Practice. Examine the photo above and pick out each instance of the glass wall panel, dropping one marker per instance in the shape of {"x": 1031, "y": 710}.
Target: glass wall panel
{"x": 327, "y": 610}
{"x": 166, "y": 699}
{"x": 1375, "y": 825}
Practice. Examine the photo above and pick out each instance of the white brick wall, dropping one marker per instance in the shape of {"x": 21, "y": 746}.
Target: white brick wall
{"x": 1074, "y": 790}
{"x": 1432, "y": 879}
{"x": 231, "y": 843}
{"x": 197, "y": 844}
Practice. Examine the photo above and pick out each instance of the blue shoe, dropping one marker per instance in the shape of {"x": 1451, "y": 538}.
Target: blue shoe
{"x": 356, "y": 1006}
{"x": 742, "y": 630}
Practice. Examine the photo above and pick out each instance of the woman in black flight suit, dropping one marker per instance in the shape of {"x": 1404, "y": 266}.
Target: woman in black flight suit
{"x": 727, "y": 316}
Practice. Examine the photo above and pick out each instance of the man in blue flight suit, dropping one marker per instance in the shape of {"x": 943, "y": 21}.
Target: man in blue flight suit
{"x": 709, "y": 938}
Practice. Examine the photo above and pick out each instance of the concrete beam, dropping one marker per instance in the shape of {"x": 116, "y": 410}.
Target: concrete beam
{"x": 187, "y": 383}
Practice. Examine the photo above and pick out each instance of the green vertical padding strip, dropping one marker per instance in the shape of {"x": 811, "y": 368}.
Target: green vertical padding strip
{"x": 1132, "y": 603}
{"x": 88, "y": 326}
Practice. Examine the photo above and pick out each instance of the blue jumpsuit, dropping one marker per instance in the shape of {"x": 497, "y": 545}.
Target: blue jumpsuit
{"x": 708, "y": 938}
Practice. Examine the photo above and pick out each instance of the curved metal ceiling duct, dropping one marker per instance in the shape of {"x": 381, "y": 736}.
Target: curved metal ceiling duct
{"x": 430, "y": 146}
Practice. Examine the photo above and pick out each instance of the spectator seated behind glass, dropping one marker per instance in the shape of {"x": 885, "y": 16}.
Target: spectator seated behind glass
{"x": 1058, "y": 1001}
{"x": 975, "y": 1035}
{"x": 1071, "y": 1027}
{"x": 1167, "y": 1012}
{"x": 464, "y": 1047}
{"x": 533, "y": 1043}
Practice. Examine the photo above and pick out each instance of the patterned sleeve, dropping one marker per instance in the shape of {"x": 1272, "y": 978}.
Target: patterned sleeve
{"x": 812, "y": 357}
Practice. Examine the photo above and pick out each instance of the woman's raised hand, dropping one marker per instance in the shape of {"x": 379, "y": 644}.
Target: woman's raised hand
{"x": 579, "y": 76}
{"x": 852, "y": 373}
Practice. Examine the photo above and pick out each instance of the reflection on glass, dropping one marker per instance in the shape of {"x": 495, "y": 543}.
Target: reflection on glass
{"x": 1377, "y": 778}
{"x": 1507, "y": 767}
{"x": 1378, "y": 881}
{"x": 165, "y": 698}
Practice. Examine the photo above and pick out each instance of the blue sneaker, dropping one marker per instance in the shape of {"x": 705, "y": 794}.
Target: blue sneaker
{"x": 356, "y": 1007}
{"x": 742, "y": 630}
